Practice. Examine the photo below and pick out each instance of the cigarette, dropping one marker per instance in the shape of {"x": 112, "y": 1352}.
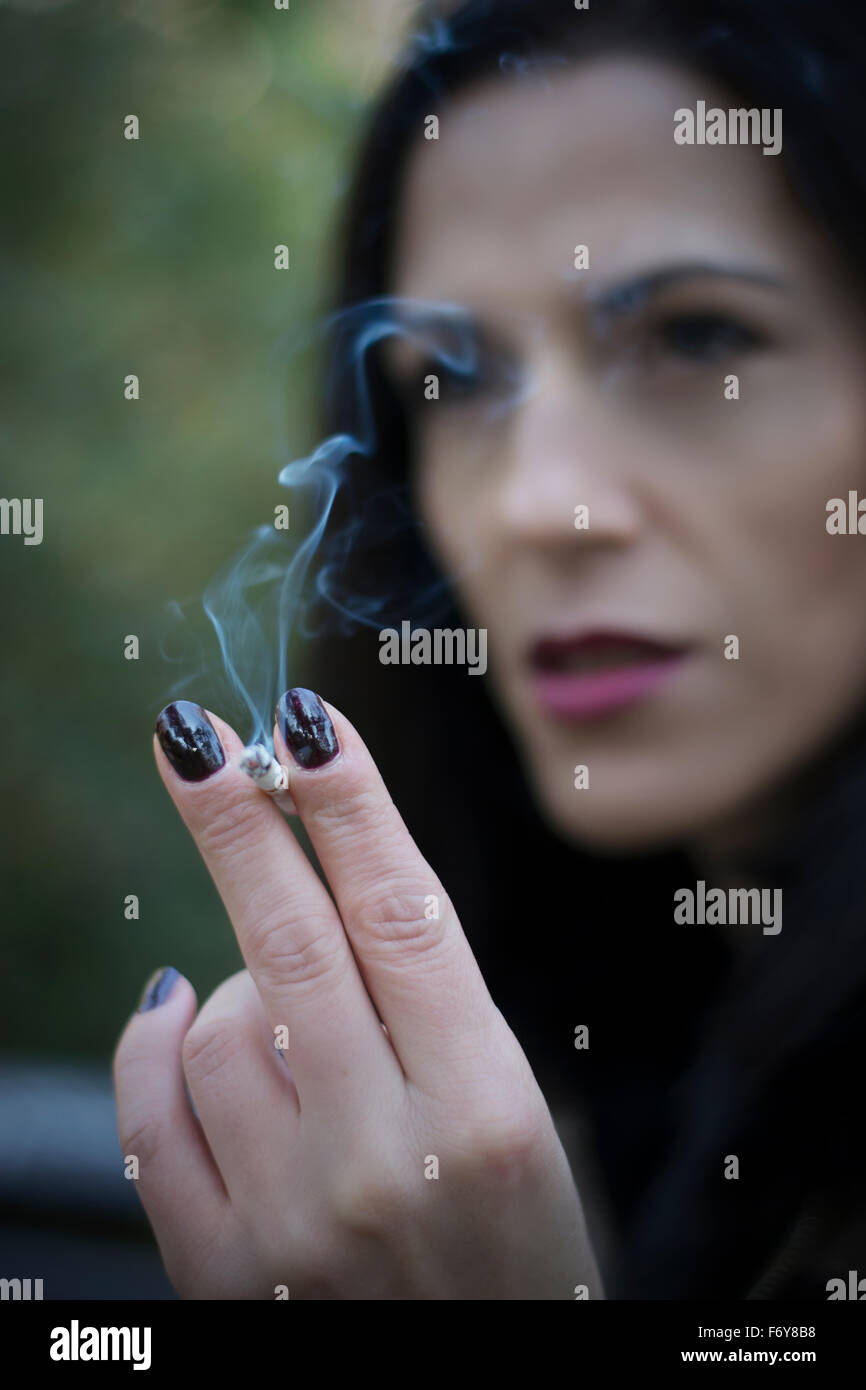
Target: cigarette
{"x": 260, "y": 765}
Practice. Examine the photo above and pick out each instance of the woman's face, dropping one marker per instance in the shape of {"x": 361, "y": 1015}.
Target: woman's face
{"x": 608, "y": 388}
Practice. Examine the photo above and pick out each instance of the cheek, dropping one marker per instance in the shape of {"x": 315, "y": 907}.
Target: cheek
{"x": 759, "y": 511}
{"x": 455, "y": 515}
{"x": 802, "y": 580}
{"x": 792, "y": 593}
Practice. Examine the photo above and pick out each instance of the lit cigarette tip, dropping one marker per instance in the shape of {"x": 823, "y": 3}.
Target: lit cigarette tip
{"x": 263, "y": 768}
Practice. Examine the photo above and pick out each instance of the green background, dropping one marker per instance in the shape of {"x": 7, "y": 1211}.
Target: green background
{"x": 153, "y": 257}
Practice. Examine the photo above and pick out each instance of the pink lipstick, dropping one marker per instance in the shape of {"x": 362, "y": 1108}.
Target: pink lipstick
{"x": 596, "y": 673}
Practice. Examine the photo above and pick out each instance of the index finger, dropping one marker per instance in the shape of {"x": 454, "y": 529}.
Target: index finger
{"x": 410, "y": 947}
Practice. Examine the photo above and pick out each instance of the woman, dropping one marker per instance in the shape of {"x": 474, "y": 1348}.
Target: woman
{"x": 618, "y": 374}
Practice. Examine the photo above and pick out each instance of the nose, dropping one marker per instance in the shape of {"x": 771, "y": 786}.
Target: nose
{"x": 565, "y": 450}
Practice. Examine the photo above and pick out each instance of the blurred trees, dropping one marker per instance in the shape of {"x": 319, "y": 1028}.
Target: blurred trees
{"x": 155, "y": 258}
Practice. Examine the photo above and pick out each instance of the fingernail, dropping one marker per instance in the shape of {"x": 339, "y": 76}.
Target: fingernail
{"x": 158, "y": 988}
{"x": 189, "y": 741}
{"x": 306, "y": 727}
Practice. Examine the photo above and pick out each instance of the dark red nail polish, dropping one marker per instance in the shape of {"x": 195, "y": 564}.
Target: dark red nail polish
{"x": 189, "y": 741}
{"x": 306, "y": 727}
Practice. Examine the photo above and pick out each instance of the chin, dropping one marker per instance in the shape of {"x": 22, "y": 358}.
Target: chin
{"x": 620, "y": 835}
{"x": 616, "y": 826}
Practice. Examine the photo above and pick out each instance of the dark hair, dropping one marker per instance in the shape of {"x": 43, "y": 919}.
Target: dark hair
{"x": 693, "y": 1055}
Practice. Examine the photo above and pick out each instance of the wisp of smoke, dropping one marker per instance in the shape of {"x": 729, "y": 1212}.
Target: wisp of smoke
{"x": 261, "y": 600}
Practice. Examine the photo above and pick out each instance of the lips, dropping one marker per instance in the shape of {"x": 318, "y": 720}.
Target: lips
{"x": 594, "y": 673}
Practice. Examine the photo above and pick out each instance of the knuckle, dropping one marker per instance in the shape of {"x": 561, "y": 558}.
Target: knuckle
{"x": 295, "y": 955}
{"x": 229, "y": 828}
{"x": 212, "y": 1046}
{"x": 370, "y": 1199}
{"x": 357, "y": 804}
{"x": 506, "y": 1146}
{"x": 392, "y": 918}
{"x": 318, "y": 1268}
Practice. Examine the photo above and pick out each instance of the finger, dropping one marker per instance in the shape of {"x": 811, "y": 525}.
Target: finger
{"x": 177, "y": 1179}
{"x": 288, "y": 929}
{"x": 242, "y": 1090}
{"x": 284, "y": 803}
{"x": 415, "y": 959}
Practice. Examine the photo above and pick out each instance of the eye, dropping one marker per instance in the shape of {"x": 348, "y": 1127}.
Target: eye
{"x": 704, "y": 337}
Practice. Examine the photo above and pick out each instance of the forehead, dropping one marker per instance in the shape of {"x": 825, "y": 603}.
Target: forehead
{"x": 528, "y": 167}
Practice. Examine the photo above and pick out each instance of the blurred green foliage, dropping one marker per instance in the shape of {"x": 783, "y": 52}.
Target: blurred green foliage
{"x": 154, "y": 257}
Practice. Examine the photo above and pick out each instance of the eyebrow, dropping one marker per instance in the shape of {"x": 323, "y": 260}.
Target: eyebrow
{"x": 621, "y": 298}
{"x": 626, "y": 296}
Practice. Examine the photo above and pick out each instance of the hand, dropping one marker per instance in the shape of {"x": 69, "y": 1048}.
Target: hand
{"x": 400, "y": 1148}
